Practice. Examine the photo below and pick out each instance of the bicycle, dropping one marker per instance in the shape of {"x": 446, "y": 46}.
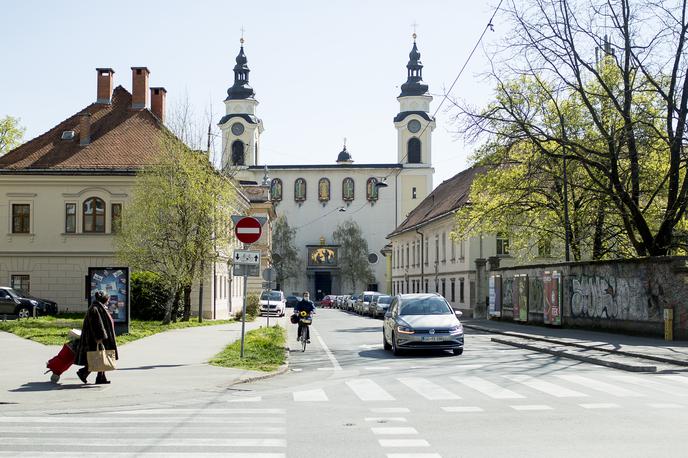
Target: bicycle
{"x": 305, "y": 320}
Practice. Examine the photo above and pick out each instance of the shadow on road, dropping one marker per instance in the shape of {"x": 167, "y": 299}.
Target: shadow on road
{"x": 145, "y": 368}
{"x": 368, "y": 329}
{"x": 408, "y": 354}
{"x": 49, "y": 386}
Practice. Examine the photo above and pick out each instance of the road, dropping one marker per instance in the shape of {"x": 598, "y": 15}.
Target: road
{"x": 346, "y": 397}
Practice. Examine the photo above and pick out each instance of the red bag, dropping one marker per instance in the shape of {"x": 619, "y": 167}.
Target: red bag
{"x": 62, "y": 361}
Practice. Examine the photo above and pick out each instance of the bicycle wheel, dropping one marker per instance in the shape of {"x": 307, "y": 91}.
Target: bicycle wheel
{"x": 303, "y": 338}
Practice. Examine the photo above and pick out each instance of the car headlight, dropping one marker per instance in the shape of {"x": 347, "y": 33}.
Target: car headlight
{"x": 33, "y": 302}
{"x": 456, "y": 330}
{"x": 405, "y": 330}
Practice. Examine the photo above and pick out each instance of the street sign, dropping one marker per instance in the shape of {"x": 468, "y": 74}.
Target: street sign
{"x": 269, "y": 284}
{"x": 239, "y": 270}
{"x": 250, "y": 257}
{"x": 248, "y": 229}
{"x": 269, "y": 274}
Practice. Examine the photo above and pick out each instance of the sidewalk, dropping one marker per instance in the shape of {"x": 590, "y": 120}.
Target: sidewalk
{"x": 640, "y": 354}
{"x": 149, "y": 369}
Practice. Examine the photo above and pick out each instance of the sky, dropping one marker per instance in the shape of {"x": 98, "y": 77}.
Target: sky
{"x": 322, "y": 70}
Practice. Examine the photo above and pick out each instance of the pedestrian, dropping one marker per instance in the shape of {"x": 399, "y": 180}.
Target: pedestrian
{"x": 98, "y": 328}
{"x": 304, "y": 305}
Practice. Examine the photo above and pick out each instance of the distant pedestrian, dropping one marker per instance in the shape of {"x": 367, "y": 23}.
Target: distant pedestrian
{"x": 98, "y": 328}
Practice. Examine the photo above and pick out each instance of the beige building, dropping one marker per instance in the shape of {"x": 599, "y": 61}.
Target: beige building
{"x": 63, "y": 192}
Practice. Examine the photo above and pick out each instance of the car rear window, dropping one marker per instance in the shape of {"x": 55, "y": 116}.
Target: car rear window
{"x": 425, "y": 306}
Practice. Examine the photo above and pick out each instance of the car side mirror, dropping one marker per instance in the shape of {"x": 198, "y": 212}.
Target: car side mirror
{"x": 458, "y": 313}
{"x": 388, "y": 314}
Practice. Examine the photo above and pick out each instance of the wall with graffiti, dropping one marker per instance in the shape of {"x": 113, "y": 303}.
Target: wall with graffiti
{"x": 627, "y": 295}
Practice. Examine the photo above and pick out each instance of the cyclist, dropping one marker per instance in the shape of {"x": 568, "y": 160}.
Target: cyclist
{"x": 304, "y": 305}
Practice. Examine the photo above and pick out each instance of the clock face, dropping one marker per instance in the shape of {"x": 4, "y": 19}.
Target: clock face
{"x": 414, "y": 126}
{"x": 237, "y": 128}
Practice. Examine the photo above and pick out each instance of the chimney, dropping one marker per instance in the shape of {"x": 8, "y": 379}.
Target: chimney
{"x": 139, "y": 85}
{"x": 104, "y": 85}
{"x": 158, "y": 102}
{"x": 84, "y": 128}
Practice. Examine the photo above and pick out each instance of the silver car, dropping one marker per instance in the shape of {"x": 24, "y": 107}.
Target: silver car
{"x": 380, "y": 305}
{"x": 422, "y": 321}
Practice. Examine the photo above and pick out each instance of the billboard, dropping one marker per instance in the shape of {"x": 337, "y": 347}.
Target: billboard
{"x": 115, "y": 282}
{"x": 520, "y": 295}
{"x": 495, "y": 295}
{"x": 552, "y": 298}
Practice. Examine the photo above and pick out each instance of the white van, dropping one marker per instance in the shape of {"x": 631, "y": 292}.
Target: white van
{"x": 272, "y": 303}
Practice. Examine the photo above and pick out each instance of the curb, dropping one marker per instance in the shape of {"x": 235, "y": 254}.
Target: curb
{"x": 658, "y": 359}
{"x": 282, "y": 369}
{"x": 587, "y": 359}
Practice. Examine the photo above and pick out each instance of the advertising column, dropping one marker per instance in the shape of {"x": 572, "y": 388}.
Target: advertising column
{"x": 552, "y": 298}
{"x": 114, "y": 281}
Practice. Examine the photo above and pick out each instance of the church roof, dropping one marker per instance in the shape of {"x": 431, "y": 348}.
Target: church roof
{"x": 240, "y": 89}
{"x": 326, "y": 166}
{"x": 121, "y": 139}
{"x": 344, "y": 156}
{"x": 443, "y": 200}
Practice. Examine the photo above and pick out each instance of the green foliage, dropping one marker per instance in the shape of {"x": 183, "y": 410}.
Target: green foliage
{"x": 353, "y": 254}
{"x": 252, "y": 307}
{"x": 263, "y": 351}
{"x": 11, "y": 134}
{"x": 149, "y": 296}
{"x": 289, "y": 265}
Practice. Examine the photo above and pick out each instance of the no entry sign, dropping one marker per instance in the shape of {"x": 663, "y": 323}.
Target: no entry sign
{"x": 248, "y": 229}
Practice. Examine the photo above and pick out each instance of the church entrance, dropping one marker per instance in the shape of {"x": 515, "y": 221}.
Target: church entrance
{"x": 323, "y": 284}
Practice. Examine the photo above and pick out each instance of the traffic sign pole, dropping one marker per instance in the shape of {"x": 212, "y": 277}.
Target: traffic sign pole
{"x": 243, "y": 316}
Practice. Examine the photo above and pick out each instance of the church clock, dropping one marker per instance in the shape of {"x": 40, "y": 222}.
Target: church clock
{"x": 237, "y": 128}
{"x": 413, "y": 126}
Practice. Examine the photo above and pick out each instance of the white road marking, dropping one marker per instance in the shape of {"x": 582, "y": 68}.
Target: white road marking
{"x": 488, "y": 388}
{"x": 545, "y": 387}
{"x": 428, "y": 389}
{"x": 462, "y": 409}
{"x": 377, "y": 368}
{"x": 675, "y": 378}
{"x": 249, "y": 428}
{"x": 469, "y": 366}
{"x": 367, "y": 390}
{"x": 247, "y": 399}
{"x": 205, "y": 412}
{"x": 604, "y": 387}
{"x": 386, "y": 419}
{"x": 646, "y": 382}
{"x": 390, "y": 410}
{"x": 317, "y": 395}
{"x": 400, "y": 443}
{"x": 326, "y": 369}
{"x": 394, "y": 430}
{"x": 145, "y": 442}
{"x": 100, "y": 419}
{"x": 531, "y": 407}
{"x": 414, "y": 455}
{"x": 148, "y": 454}
{"x": 599, "y": 405}
{"x": 329, "y": 354}
{"x": 297, "y": 370}
{"x": 665, "y": 406}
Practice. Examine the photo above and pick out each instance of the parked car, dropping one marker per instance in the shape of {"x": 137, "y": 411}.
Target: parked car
{"x": 350, "y": 301}
{"x": 327, "y": 301}
{"x": 293, "y": 300}
{"x": 17, "y": 302}
{"x": 422, "y": 321}
{"x": 272, "y": 303}
{"x": 379, "y": 305}
{"x": 363, "y": 303}
{"x": 341, "y": 301}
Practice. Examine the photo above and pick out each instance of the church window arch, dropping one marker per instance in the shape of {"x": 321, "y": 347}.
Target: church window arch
{"x": 348, "y": 189}
{"x": 276, "y": 189}
{"x": 371, "y": 189}
{"x": 414, "y": 151}
{"x": 324, "y": 190}
{"x": 238, "y": 153}
{"x": 300, "y": 190}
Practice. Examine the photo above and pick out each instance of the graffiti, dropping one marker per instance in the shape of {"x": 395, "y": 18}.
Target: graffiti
{"x": 507, "y": 286}
{"x": 607, "y": 298}
{"x": 536, "y": 295}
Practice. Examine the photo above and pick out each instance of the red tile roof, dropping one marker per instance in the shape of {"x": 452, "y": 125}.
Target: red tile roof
{"x": 121, "y": 139}
{"x": 444, "y": 199}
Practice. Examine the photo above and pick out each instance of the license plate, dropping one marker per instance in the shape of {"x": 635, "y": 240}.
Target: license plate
{"x": 432, "y": 339}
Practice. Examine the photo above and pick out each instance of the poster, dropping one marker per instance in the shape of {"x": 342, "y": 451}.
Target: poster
{"x": 115, "y": 282}
{"x": 520, "y": 294}
{"x": 552, "y": 298}
{"x": 495, "y": 296}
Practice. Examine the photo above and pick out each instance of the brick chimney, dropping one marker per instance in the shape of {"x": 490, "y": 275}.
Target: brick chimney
{"x": 84, "y": 128}
{"x": 139, "y": 85}
{"x": 105, "y": 80}
{"x": 158, "y": 95}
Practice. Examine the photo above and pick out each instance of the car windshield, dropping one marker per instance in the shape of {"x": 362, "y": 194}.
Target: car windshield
{"x": 384, "y": 299}
{"x": 273, "y": 296}
{"x": 12, "y": 292}
{"x": 425, "y": 306}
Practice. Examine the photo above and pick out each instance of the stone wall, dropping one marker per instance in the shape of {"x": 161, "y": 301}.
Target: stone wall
{"x": 624, "y": 295}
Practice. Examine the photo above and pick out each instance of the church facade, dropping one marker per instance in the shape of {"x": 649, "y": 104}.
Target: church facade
{"x": 316, "y": 198}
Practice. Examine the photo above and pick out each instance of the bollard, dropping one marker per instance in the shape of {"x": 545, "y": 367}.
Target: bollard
{"x": 668, "y": 324}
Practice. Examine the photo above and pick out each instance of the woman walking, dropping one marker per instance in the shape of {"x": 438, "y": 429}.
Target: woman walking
{"x": 98, "y": 328}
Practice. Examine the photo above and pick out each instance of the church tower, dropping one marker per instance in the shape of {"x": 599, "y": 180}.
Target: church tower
{"x": 413, "y": 122}
{"x": 240, "y": 127}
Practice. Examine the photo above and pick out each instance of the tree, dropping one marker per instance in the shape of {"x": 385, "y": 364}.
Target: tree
{"x": 289, "y": 265}
{"x": 353, "y": 253}
{"x": 11, "y": 134}
{"x": 604, "y": 86}
{"x": 178, "y": 215}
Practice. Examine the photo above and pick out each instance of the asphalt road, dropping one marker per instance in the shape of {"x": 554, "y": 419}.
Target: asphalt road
{"x": 346, "y": 397}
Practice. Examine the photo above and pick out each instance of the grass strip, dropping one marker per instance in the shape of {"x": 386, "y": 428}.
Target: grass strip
{"x": 50, "y": 330}
{"x": 263, "y": 351}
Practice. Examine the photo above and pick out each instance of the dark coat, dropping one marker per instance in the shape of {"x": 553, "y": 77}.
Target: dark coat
{"x": 97, "y": 326}
{"x": 305, "y": 305}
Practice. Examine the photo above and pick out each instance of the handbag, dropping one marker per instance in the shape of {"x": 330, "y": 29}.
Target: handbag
{"x": 101, "y": 360}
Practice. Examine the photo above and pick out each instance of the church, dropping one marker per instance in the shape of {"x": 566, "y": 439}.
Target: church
{"x": 316, "y": 198}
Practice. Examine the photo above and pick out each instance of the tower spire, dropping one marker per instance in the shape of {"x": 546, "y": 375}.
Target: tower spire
{"x": 241, "y": 89}
{"x": 414, "y": 84}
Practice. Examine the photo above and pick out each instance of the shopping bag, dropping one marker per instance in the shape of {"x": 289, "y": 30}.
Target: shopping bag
{"x": 101, "y": 360}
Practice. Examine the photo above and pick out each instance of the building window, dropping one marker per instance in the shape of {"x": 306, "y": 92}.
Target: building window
{"x": 461, "y": 249}
{"x": 116, "y": 215}
{"x": 437, "y": 249}
{"x": 444, "y": 247}
{"x": 21, "y": 218}
{"x": 502, "y": 244}
{"x": 21, "y": 282}
{"x": 427, "y": 244}
{"x": 324, "y": 190}
{"x": 413, "y": 193}
{"x": 437, "y": 285}
{"x": 453, "y": 250}
{"x": 444, "y": 288}
{"x": 426, "y": 286}
{"x": 462, "y": 291}
{"x": 94, "y": 215}
{"x": 414, "y": 151}
{"x": 452, "y": 289}
{"x": 407, "y": 256}
{"x": 276, "y": 190}
{"x": 348, "y": 189}
{"x": 70, "y": 218}
{"x": 238, "y": 153}
{"x": 300, "y": 190}
{"x": 371, "y": 189}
